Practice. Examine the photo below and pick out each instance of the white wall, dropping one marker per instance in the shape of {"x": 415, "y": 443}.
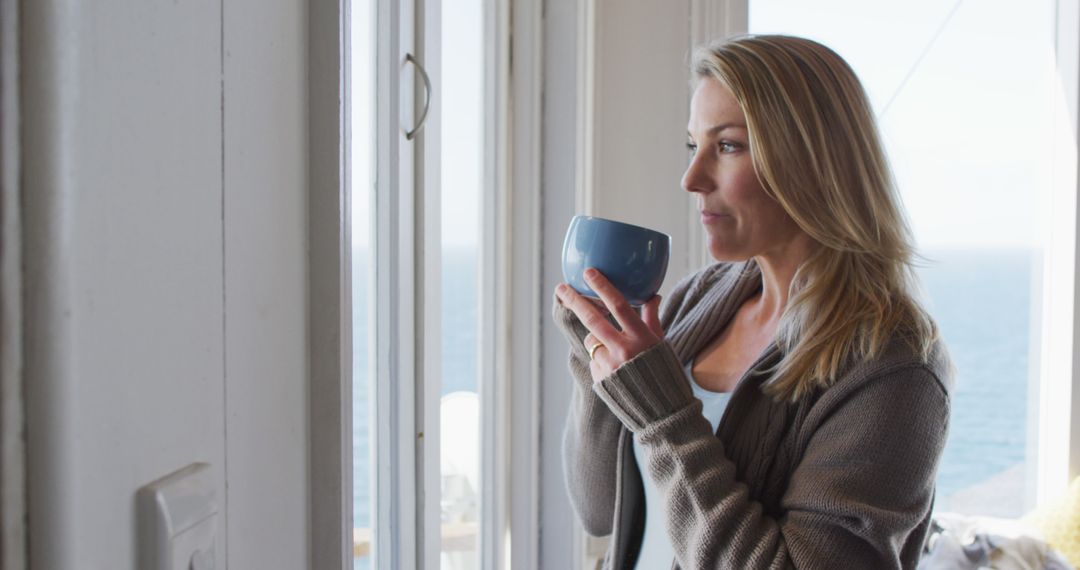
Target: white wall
{"x": 265, "y": 181}
{"x": 557, "y": 524}
{"x": 164, "y": 149}
{"x": 640, "y": 110}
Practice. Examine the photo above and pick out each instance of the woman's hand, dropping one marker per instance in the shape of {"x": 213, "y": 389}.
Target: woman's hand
{"x": 610, "y": 347}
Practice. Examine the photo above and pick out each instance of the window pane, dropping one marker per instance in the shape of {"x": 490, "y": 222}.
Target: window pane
{"x": 971, "y": 151}
{"x": 362, "y": 105}
{"x": 462, "y": 149}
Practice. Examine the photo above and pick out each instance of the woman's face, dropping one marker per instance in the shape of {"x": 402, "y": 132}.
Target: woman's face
{"x": 740, "y": 219}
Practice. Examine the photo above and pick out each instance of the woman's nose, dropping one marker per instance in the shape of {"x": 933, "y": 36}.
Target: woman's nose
{"x": 697, "y": 177}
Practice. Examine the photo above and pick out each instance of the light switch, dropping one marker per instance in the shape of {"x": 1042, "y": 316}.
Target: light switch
{"x": 178, "y": 521}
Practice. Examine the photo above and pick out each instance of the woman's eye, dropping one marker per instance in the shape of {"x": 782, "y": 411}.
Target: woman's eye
{"x": 726, "y": 146}
{"x": 691, "y": 147}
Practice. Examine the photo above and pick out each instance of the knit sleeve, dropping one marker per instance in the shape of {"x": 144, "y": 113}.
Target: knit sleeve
{"x": 591, "y": 434}
{"x": 590, "y": 437}
{"x": 649, "y": 387}
{"x": 863, "y": 485}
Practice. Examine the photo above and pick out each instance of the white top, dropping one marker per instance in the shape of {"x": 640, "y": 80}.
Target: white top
{"x": 656, "y": 549}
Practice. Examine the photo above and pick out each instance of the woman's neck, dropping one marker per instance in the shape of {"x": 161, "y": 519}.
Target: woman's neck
{"x": 778, "y": 269}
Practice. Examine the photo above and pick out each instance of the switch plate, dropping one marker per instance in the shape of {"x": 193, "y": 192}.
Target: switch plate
{"x": 178, "y": 521}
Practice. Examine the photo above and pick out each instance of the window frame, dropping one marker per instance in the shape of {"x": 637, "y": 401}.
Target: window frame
{"x": 405, "y": 214}
{"x": 14, "y": 512}
{"x": 330, "y": 335}
{"x": 398, "y": 426}
{"x": 1058, "y": 388}
{"x": 514, "y": 470}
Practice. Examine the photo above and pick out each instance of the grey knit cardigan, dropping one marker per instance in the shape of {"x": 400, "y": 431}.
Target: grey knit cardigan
{"x": 844, "y": 478}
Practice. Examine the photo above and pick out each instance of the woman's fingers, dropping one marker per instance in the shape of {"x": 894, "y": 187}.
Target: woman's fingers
{"x": 610, "y": 347}
{"x": 590, "y": 341}
{"x": 614, "y": 300}
{"x": 588, "y": 313}
{"x": 597, "y": 371}
{"x": 599, "y": 304}
{"x": 650, "y": 313}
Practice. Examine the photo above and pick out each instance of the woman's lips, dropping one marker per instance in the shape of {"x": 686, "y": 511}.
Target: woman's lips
{"x": 710, "y": 217}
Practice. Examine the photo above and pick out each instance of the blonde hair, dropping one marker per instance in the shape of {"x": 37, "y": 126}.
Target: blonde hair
{"x": 817, "y": 152}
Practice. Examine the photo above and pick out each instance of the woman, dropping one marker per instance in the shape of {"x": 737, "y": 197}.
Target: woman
{"x": 788, "y": 406}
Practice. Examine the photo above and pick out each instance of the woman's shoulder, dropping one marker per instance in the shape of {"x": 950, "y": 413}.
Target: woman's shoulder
{"x": 930, "y": 368}
{"x": 899, "y": 383}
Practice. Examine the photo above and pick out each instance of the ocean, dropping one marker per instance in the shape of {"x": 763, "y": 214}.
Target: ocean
{"x": 980, "y": 300}
{"x": 459, "y": 362}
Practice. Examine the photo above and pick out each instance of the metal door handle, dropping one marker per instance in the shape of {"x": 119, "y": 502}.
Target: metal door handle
{"x": 409, "y": 135}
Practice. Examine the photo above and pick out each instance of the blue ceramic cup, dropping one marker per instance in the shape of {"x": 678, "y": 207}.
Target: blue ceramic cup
{"x": 633, "y": 258}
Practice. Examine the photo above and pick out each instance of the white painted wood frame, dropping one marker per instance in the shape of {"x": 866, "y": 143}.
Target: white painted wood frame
{"x": 1058, "y": 393}
{"x": 521, "y": 290}
{"x": 510, "y": 320}
{"x": 397, "y": 421}
{"x": 40, "y": 233}
{"x": 1068, "y": 61}
{"x": 407, "y": 279}
{"x": 427, "y": 258}
{"x": 329, "y": 290}
{"x": 13, "y": 532}
{"x": 495, "y": 297}
{"x": 407, "y": 304}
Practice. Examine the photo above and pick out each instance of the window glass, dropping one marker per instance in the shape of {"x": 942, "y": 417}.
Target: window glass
{"x": 961, "y": 92}
{"x": 462, "y": 150}
{"x": 362, "y": 107}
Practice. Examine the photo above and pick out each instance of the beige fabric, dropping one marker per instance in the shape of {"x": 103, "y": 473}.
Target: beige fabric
{"x": 1059, "y": 522}
{"x": 842, "y": 479}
